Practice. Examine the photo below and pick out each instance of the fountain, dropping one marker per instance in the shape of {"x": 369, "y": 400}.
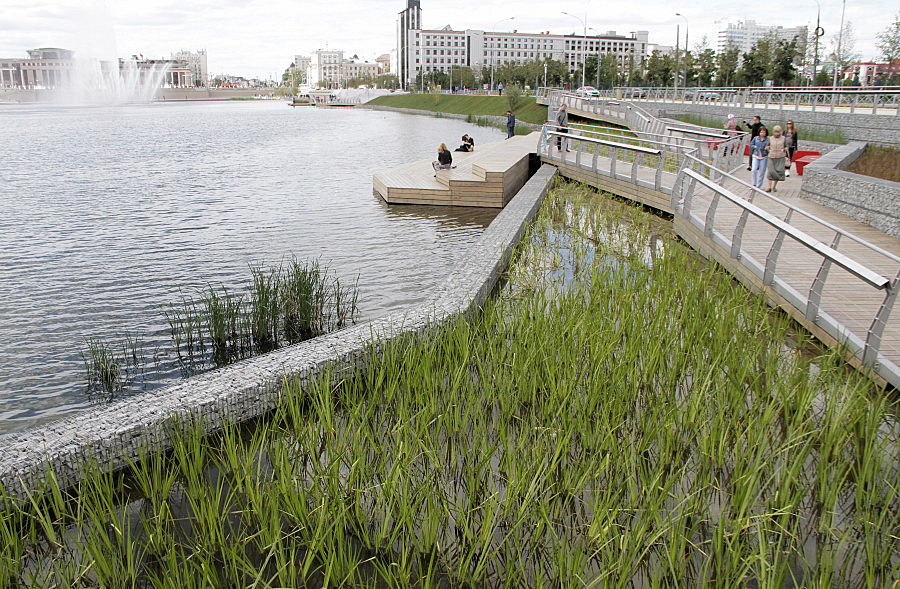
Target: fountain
{"x": 109, "y": 82}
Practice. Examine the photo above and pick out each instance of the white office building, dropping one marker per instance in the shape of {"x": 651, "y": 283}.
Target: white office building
{"x": 746, "y": 33}
{"x": 427, "y": 50}
{"x": 326, "y": 68}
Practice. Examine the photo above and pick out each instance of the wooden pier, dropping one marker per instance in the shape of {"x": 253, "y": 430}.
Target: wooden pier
{"x": 487, "y": 177}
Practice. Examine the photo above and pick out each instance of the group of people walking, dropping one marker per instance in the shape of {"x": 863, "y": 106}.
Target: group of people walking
{"x": 770, "y": 156}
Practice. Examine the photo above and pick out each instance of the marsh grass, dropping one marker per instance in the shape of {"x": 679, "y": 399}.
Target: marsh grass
{"x": 216, "y": 326}
{"x": 497, "y": 124}
{"x": 622, "y": 414}
{"x": 878, "y": 161}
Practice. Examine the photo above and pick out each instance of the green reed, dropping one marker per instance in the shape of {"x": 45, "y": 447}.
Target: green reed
{"x": 621, "y": 414}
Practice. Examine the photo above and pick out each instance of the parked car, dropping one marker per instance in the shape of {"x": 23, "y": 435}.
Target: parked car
{"x": 635, "y": 93}
{"x": 709, "y": 95}
{"x": 589, "y": 91}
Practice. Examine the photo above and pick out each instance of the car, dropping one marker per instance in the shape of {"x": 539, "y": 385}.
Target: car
{"x": 635, "y": 93}
{"x": 589, "y": 91}
{"x": 708, "y": 95}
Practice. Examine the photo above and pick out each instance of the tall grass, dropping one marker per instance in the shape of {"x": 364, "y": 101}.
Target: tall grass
{"x": 878, "y": 161}
{"x": 621, "y": 415}
{"x": 217, "y": 326}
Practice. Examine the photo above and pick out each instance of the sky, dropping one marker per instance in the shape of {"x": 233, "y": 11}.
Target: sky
{"x": 258, "y": 38}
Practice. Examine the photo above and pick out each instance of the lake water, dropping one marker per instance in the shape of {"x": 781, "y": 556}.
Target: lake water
{"x": 108, "y": 213}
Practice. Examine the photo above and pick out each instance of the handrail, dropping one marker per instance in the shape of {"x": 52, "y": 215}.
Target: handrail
{"x": 722, "y": 135}
{"x": 637, "y": 148}
{"x": 863, "y": 273}
{"x": 844, "y": 233}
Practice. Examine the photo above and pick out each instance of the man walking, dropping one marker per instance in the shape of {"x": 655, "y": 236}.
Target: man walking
{"x": 754, "y": 132}
{"x": 510, "y": 124}
{"x": 562, "y": 126}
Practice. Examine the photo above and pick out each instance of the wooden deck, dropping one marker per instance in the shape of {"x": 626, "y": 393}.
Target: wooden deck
{"x": 488, "y": 177}
{"x": 846, "y": 300}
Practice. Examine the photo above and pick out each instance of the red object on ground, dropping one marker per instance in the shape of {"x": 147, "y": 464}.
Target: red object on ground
{"x": 747, "y": 149}
{"x": 803, "y": 153}
{"x": 801, "y": 162}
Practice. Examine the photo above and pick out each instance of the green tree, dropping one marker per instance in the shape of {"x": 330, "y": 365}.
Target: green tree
{"x": 846, "y": 54}
{"x": 889, "y": 41}
{"x": 463, "y": 76}
{"x": 727, "y": 64}
{"x": 706, "y": 67}
{"x": 781, "y": 69}
{"x": 757, "y": 63}
{"x": 660, "y": 69}
{"x": 605, "y": 73}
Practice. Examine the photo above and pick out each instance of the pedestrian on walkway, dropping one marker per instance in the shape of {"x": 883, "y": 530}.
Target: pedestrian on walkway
{"x": 562, "y": 126}
{"x": 754, "y": 133}
{"x": 777, "y": 153}
{"x": 510, "y": 124}
{"x": 759, "y": 156}
{"x": 791, "y": 143}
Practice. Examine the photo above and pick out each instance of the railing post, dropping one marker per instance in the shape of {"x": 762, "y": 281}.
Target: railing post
{"x": 738, "y": 235}
{"x": 815, "y": 290}
{"x": 660, "y": 162}
{"x": 709, "y": 224}
{"x": 634, "y": 167}
{"x": 772, "y": 258}
{"x": 596, "y": 155}
{"x": 578, "y": 151}
{"x": 613, "y": 153}
{"x": 876, "y": 330}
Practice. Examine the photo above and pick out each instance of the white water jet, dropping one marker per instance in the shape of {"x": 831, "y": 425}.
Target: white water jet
{"x": 107, "y": 82}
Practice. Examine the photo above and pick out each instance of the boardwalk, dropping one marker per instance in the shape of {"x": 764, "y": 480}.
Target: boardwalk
{"x": 488, "y": 177}
{"x": 848, "y": 305}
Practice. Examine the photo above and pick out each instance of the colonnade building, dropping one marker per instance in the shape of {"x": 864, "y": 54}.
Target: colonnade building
{"x": 427, "y": 50}
{"x": 51, "y": 68}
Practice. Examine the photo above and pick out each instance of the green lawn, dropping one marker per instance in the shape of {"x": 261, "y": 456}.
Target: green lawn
{"x": 528, "y": 111}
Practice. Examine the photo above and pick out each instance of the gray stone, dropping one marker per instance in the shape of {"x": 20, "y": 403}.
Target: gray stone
{"x": 872, "y": 201}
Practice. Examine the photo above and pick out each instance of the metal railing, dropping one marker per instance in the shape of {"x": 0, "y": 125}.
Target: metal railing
{"x": 882, "y": 101}
{"x": 614, "y": 159}
{"x": 723, "y": 149}
{"x": 783, "y": 234}
{"x": 725, "y": 219}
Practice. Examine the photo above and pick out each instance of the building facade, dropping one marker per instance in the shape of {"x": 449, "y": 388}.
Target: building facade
{"x": 44, "y": 68}
{"x": 326, "y": 68}
{"x": 422, "y": 50}
{"x": 196, "y": 63}
{"x": 746, "y": 33}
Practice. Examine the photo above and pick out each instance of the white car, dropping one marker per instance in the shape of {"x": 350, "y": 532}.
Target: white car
{"x": 587, "y": 91}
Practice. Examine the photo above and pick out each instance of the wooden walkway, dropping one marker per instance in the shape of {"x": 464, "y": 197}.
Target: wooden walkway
{"x": 488, "y": 177}
{"x": 846, "y": 300}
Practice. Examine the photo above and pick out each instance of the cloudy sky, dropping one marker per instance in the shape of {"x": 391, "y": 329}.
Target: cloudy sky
{"x": 260, "y": 37}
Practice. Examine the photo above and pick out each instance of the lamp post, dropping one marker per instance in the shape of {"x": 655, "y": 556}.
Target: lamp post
{"x": 687, "y": 30}
{"x": 584, "y": 47}
{"x": 677, "y": 44}
{"x": 838, "y": 56}
{"x": 818, "y": 33}
{"x": 493, "y": 50}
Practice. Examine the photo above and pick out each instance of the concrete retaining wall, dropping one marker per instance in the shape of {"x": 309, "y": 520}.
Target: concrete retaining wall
{"x": 881, "y": 129}
{"x": 114, "y": 434}
{"x": 872, "y": 201}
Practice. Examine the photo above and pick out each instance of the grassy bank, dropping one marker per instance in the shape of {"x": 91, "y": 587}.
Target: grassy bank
{"x": 528, "y": 110}
{"x": 879, "y": 162}
{"x": 835, "y": 136}
{"x": 622, "y": 414}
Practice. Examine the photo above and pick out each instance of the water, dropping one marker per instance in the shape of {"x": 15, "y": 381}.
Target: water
{"x": 106, "y": 213}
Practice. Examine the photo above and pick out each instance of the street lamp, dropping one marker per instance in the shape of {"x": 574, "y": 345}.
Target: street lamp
{"x": 687, "y": 30}
{"x": 493, "y": 50}
{"x": 584, "y": 47}
{"x": 838, "y": 56}
{"x": 818, "y": 33}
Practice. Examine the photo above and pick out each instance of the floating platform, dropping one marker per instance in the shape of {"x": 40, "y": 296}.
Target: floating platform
{"x": 487, "y": 177}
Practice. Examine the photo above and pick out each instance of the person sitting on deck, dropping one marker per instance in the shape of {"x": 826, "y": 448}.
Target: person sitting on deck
{"x": 444, "y": 160}
{"x": 466, "y": 146}
{"x": 471, "y": 141}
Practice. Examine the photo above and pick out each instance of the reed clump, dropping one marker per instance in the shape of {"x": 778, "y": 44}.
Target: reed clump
{"x": 216, "y": 326}
{"x": 621, "y": 415}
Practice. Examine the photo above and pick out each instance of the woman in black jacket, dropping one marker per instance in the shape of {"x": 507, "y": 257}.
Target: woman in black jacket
{"x": 444, "y": 160}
